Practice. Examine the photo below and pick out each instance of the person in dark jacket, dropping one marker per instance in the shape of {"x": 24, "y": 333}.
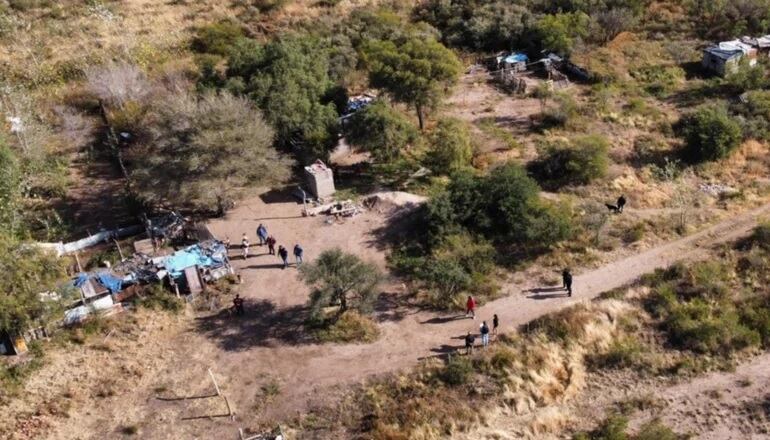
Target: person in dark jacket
{"x": 262, "y": 234}
{"x": 271, "y": 245}
{"x": 484, "y": 330}
{"x": 495, "y": 324}
{"x": 566, "y": 278}
{"x": 621, "y": 203}
{"x": 298, "y": 254}
{"x": 238, "y": 305}
{"x": 469, "y": 340}
{"x": 284, "y": 254}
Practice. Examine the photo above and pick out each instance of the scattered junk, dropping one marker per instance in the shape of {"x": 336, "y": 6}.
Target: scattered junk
{"x": 717, "y": 189}
{"x": 275, "y": 434}
{"x": 187, "y": 271}
{"x": 761, "y": 44}
{"x": 509, "y": 67}
{"x": 724, "y": 58}
{"x": 165, "y": 228}
{"x": 12, "y": 344}
{"x": 320, "y": 180}
{"x": 356, "y": 103}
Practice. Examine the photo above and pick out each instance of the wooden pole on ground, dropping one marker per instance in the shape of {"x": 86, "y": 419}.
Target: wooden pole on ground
{"x": 77, "y": 261}
{"x": 120, "y": 251}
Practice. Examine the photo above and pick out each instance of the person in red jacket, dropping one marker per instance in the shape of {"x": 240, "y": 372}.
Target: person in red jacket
{"x": 470, "y": 307}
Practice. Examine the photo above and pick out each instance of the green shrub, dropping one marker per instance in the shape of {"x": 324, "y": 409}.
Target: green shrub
{"x": 157, "y": 297}
{"x": 561, "y": 112}
{"x": 458, "y": 371}
{"x": 635, "y": 233}
{"x": 216, "y": 38}
{"x": 655, "y": 430}
{"x": 622, "y": 353}
{"x": 381, "y": 130}
{"x": 710, "y": 133}
{"x": 761, "y": 236}
{"x": 505, "y": 207}
{"x": 659, "y": 80}
{"x": 350, "y": 327}
{"x": 580, "y": 162}
{"x": 451, "y": 147}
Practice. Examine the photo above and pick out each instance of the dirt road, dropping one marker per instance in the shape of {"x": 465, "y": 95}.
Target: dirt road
{"x": 408, "y": 335}
{"x": 268, "y": 349}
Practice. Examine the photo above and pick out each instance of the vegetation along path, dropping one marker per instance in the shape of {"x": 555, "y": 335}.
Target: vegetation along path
{"x": 416, "y": 335}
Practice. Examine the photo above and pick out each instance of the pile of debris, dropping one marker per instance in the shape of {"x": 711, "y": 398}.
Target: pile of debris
{"x": 717, "y": 189}
{"x": 186, "y": 271}
{"x": 345, "y": 208}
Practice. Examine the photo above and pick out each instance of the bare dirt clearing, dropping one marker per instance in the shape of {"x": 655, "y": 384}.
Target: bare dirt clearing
{"x": 268, "y": 350}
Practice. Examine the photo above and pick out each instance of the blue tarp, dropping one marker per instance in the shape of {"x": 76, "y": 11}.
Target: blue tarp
{"x": 193, "y": 255}
{"x": 106, "y": 279}
{"x": 516, "y": 58}
{"x": 111, "y": 282}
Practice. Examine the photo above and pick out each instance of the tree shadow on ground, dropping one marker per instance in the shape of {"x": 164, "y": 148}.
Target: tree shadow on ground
{"x": 393, "y": 306}
{"x": 262, "y": 325}
{"x": 445, "y": 319}
{"x": 281, "y": 195}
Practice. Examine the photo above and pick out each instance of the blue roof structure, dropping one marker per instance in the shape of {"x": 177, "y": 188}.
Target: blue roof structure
{"x": 516, "y": 57}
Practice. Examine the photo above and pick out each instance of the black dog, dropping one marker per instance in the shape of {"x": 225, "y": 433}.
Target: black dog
{"x": 612, "y": 208}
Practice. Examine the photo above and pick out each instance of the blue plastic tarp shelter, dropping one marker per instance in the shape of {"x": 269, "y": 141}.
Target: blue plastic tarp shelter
{"x": 193, "y": 255}
{"x": 516, "y": 57}
{"x": 106, "y": 279}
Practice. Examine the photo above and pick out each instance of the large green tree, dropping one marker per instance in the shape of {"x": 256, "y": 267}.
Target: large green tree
{"x": 451, "y": 144}
{"x": 504, "y": 206}
{"x": 381, "y": 130}
{"x": 339, "y": 278}
{"x": 289, "y": 80}
{"x": 204, "y": 153}
{"x": 417, "y": 71}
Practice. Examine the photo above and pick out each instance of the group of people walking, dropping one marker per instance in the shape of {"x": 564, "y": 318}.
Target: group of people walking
{"x": 484, "y": 330}
{"x": 270, "y": 241}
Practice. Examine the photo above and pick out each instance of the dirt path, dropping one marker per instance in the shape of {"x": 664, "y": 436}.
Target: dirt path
{"x": 268, "y": 346}
{"x": 410, "y": 335}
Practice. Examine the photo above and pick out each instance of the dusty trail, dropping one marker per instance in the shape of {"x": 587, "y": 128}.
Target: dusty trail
{"x": 413, "y": 334}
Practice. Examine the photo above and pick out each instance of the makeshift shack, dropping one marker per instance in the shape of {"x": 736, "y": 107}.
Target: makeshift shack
{"x": 724, "y": 58}
{"x": 190, "y": 267}
{"x": 320, "y": 179}
{"x": 761, "y": 44}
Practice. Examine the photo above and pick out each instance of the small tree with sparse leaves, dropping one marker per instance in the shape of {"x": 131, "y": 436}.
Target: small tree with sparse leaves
{"x": 342, "y": 279}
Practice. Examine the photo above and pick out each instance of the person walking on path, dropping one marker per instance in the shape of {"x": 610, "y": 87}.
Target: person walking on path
{"x": 284, "y": 254}
{"x": 238, "y": 304}
{"x": 262, "y": 234}
{"x": 245, "y": 246}
{"x": 270, "y": 245}
{"x": 484, "y": 330}
{"x": 298, "y": 254}
{"x": 470, "y": 307}
{"x": 621, "y": 203}
{"x": 566, "y": 278}
{"x": 469, "y": 340}
{"x": 495, "y": 324}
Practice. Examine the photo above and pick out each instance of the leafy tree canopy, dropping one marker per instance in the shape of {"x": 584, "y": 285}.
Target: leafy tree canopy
{"x": 710, "y": 133}
{"x": 382, "y": 130}
{"x": 336, "y": 277}
{"x": 417, "y": 72}
{"x": 204, "y": 153}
